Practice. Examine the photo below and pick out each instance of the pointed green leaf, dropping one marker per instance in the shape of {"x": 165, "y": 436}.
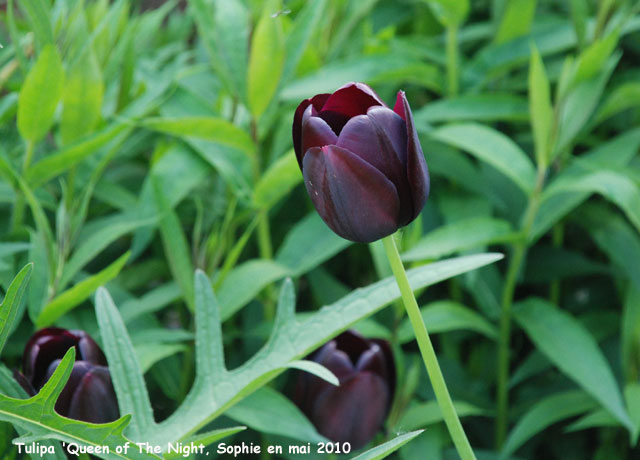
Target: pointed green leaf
{"x": 383, "y": 450}
{"x": 11, "y": 303}
{"x": 540, "y": 109}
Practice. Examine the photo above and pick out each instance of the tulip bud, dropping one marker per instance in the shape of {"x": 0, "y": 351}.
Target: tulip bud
{"x": 362, "y": 162}
{"x": 88, "y": 394}
{"x": 354, "y": 411}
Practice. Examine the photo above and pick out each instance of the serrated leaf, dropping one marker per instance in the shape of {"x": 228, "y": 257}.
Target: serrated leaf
{"x": 40, "y": 94}
{"x": 36, "y": 416}
{"x": 11, "y": 303}
{"x": 387, "y": 448}
{"x": 74, "y": 296}
{"x": 574, "y": 351}
{"x": 492, "y": 147}
{"x": 125, "y": 370}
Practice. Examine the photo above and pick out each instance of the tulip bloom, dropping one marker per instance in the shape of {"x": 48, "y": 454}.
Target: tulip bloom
{"x": 354, "y": 411}
{"x": 362, "y": 162}
{"x": 88, "y": 394}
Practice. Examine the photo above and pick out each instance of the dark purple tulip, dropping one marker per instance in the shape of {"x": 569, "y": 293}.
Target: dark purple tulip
{"x": 354, "y": 411}
{"x": 88, "y": 395}
{"x": 362, "y": 162}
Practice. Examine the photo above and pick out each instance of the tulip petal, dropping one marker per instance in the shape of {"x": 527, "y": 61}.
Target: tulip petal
{"x": 352, "y": 99}
{"x": 317, "y": 102}
{"x": 352, "y": 343}
{"x": 94, "y": 399}
{"x": 375, "y": 138}
{"x": 89, "y": 350}
{"x": 354, "y": 411}
{"x": 417, "y": 171}
{"x": 78, "y": 371}
{"x": 353, "y": 198}
{"x": 315, "y": 133}
{"x": 44, "y": 347}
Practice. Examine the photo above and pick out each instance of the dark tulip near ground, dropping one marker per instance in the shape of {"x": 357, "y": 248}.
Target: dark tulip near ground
{"x": 362, "y": 162}
{"x": 88, "y": 395}
{"x": 354, "y": 411}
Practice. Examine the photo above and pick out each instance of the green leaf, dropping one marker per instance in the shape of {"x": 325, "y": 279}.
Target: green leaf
{"x": 474, "y": 107}
{"x": 316, "y": 369}
{"x": 74, "y": 296}
{"x": 40, "y": 94}
{"x": 81, "y": 98}
{"x": 277, "y": 181}
{"x": 259, "y": 411}
{"x": 516, "y": 20}
{"x": 176, "y": 248}
{"x": 544, "y": 413}
{"x": 594, "y": 57}
{"x": 632, "y": 398}
{"x": 450, "y": 13}
{"x": 99, "y": 240}
{"x": 623, "y": 97}
{"x": 291, "y": 340}
{"x": 125, "y": 370}
{"x": 446, "y": 315}
{"x": 206, "y": 128}
{"x": 266, "y": 59}
{"x": 461, "y": 235}
{"x": 492, "y": 147}
{"x": 309, "y": 243}
{"x": 38, "y": 13}
{"x": 223, "y": 25}
{"x": 387, "y": 448}
{"x": 540, "y": 108}
{"x": 245, "y": 282}
{"x": 11, "y": 303}
{"x": 574, "y": 351}
{"x": 630, "y": 334}
{"x": 36, "y": 416}
{"x": 429, "y": 413}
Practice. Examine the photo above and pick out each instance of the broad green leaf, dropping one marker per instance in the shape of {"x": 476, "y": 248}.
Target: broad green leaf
{"x": 444, "y": 316}
{"x": 36, "y": 416}
{"x": 516, "y": 20}
{"x": 81, "y": 99}
{"x": 277, "y": 181}
{"x": 245, "y": 282}
{"x": 298, "y": 37}
{"x": 474, "y": 107}
{"x": 544, "y": 413}
{"x": 389, "y": 447}
{"x": 126, "y": 373}
{"x": 266, "y": 59}
{"x": 223, "y": 25}
{"x": 593, "y": 58}
{"x": 38, "y": 13}
{"x": 176, "y": 247}
{"x": 11, "y": 303}
{"x": 632, "y": 398}
{"x": 492, "y": 147}
{"x": 623, "y": 97}
{"x": 459, "y": 236}
{"x": 630, "y": 334}
{"x": 540, "y": 108}
{"x": 99, "y": 240}
{"x": 206, "y": 128}
{"x": 259, "y": 411}
{"x": 450, "y": 13}
{"x": 316, "y": 369}
{"x": 308, "y": 244}
{"x": 598, "y": 418}
{"x": 429, "y": 413}
{"x": 74, "y": 296}
{"x": 291, "y": 340}
{"x": 40, "y": 94}
{"x": 58, "y": 162}
{"x": 574, "y": 351}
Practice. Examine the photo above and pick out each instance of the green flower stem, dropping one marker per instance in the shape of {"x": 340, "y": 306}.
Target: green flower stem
{"x": 428, "y": 353}
{"x": 452, "y": 60}
{"x": 504, "y": 339}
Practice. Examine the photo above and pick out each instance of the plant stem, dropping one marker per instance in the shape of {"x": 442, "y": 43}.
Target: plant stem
{"x": 428, "y": 353}
{"x": 452, "y": 60}
{"x": 504, "y": 339}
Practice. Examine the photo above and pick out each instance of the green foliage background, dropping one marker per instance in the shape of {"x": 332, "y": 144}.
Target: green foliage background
{"x": 143, "y": 142}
